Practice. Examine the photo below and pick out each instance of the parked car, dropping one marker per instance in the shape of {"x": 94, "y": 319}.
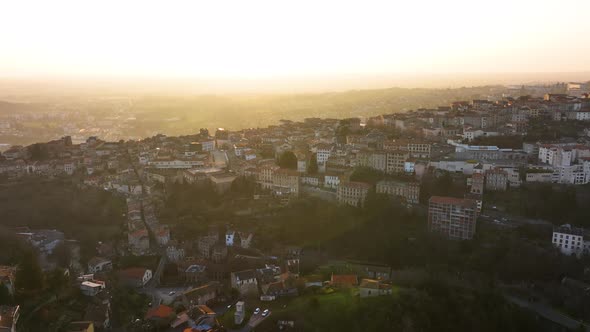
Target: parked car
{"x": 257, "y": 311}
{"x": 265, "y": 313}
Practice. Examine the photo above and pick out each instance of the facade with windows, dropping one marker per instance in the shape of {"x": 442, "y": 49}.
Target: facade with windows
{"x": 570, "y": 240}
{"x": 353, "y": 193}
{"x": 452, "y": 217}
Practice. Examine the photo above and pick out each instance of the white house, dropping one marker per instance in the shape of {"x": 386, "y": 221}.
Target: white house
{"x": 91, "y": 288}
{"x": 99, "y": 264}
{"x": 229, "y": 238}
{"x": 570, "y": 240}
{"x": 331, "y": 181}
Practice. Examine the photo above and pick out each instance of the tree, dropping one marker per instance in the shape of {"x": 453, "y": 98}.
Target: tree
{"x": 5, "y": 297}
{"x": 62, "y": 255}
{"x": 28, "y": 274}
{"x": 288, "y": 160}
{"x": 56, "y": 280}
{"x": 312, "y": 168}
{"x": 38, "y": 152}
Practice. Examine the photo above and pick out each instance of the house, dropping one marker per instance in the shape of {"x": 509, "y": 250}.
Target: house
{"x": 92, "y": 287}
{"x": 174, "y": 253}
{"x": 222, "y": 181}
{"x": 9, "y": 318}
{"x": 332, "y": 181}
{"x": 570, "y": 240}
{"x": 229, "y": 238}
{"x": 245, "y": 282}
{"x": 370, "y": 270}
{"x": 245, "y": 239}
{"x": 218, "y": 253}
{"x": 80, "y": 326}
{"x": 99, "y": 264}
{"x": 285, "y": 182}
{"x": 135, "y": 276}
{"x": 195, "y": 273}
{"x": 496, "y": 180}
{"x": 372, "y": 287}
{"x": 344, "y": 280}
{"x": 274, "y": 289}
{"x": 160, "y": 313}
{"x": 201, "y": 295}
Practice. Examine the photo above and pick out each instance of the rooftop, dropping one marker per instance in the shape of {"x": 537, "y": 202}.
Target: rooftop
{"x": 452, "y": 201}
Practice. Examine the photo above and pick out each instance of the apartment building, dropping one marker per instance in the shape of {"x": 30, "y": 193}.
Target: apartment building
{"x": 408, "y": 190}
{"x": 396, "y": 161}
{"x": 353, "y": 193}
{"x": 452, "y": 217}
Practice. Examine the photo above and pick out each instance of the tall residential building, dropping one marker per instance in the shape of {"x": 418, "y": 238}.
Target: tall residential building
{"x": 396, "y": 161}
{"x": 452, "y": 217}
{"x": 353, "y": 193}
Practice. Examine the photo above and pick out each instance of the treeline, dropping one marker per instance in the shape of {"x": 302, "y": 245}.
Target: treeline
{"x": 432, "y": 307}
{"x": 86, "y": 214}
{"x": 559, "y": 204}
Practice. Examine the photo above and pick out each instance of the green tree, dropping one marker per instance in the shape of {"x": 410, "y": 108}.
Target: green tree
{"x": 5, "y": 297}
{"x": 29, "y": 276}
{"x": 56, "y": 280}
{"x": 312, "y": 168}
{"x": 62, "y": 255}
{"x": 288, "y": 160}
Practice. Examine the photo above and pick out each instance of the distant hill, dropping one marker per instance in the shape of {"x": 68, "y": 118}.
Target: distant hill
{"x": 9, "y": 107}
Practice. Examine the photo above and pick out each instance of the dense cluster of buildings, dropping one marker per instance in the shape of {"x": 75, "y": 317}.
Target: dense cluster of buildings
{"x": 326, "y": 152}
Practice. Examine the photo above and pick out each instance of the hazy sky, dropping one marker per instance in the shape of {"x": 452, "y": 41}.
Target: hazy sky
{"x": 262, "y": 39}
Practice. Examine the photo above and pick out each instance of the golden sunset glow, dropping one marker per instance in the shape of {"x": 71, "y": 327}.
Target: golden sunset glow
{"x": 259, "y": 39}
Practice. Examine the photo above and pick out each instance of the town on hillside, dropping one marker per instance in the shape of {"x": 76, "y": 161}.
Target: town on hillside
{"x": 246, "y": 230}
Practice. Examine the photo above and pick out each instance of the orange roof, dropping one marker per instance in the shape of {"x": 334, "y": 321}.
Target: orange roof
{"x": 344, "y": 279}
{"x": 133, "y": 272}
{"x": 162, "y": 311}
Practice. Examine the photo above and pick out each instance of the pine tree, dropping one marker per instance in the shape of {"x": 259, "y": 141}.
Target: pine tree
{"x": 28, "y": 274}
{"x": 5, "y": 297}
{"x": 312, "y": 168}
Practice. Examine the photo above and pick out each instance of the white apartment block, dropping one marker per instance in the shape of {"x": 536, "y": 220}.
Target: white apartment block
{"x": 323, "y": 153}
{"x": 570, "y": 240}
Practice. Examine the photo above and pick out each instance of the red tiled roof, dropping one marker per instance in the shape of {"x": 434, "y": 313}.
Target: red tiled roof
{"x": 162, "y": 311}
{"x": 344, "y": 279}
{"x": 133, "y": 272}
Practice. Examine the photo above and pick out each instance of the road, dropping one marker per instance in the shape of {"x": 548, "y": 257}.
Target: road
{"x": 150, "y": 288}
{"x": 548, "y": 313}
{"x": 506, "y": 219}
{"x": 254, "y": 321}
